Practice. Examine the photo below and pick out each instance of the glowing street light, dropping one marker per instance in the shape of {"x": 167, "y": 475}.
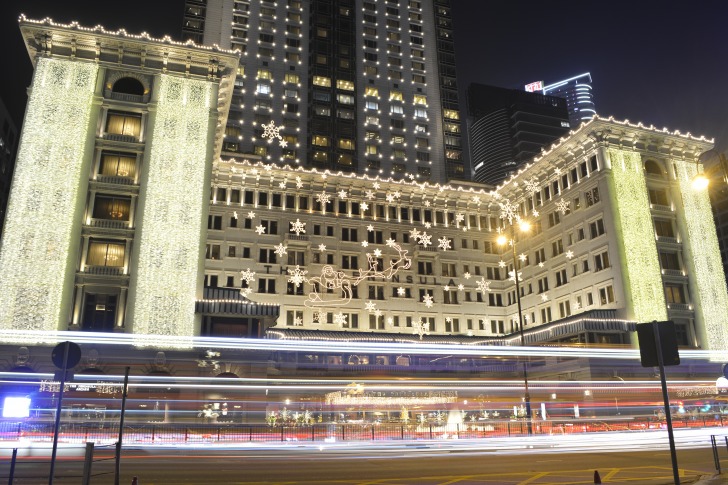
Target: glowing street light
{"x": 502, "y": 240}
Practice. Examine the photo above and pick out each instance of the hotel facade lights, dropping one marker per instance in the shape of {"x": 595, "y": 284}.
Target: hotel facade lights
{"x": 614, "y": 241}
{"x": 104, "y": 220}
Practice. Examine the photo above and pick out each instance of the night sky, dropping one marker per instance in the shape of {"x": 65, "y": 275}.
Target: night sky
{"x": 659, "y": 62}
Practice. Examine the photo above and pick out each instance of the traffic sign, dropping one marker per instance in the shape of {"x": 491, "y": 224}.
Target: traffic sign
{"x": 73, "y": 358}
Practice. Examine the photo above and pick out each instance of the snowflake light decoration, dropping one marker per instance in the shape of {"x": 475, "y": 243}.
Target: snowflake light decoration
{"x": 343, "y": 194}
{"x": 483, "y": 285}
{"x": 272, "y": 131}
{"x": 340, "y": 319}
{"x": 260, "y": 229}
{"x": 544, "y": 297}
{"x": 428, "y": 300}
{"x": 511, "y": 276}
{"x": 370, "y": 306}
{"x": 280, "y": 250}
{"x": 569, "y": 254}
{"x": 461, "y": 287}
{"x": 444, "y": 243}
{"x": 319, "y": 317}
{"x": 298, "y": 321}
{"x": 562, "y": 206}
{"x": 370, "y": 228}
{"x": 323, "y": 198}
{"x": 369, "y": 194}
{"x": 322, "y": 247}
{"x": 251, "y": 215}
{"x": 509, "y": 211}
{"x": 298, "y": 227}
{"x": 364, "y": 206}
{"x": 467, "y": 275}
{"x": 299, "y": 183}
{"x": 459, "y": 217}
{"x": 248, "y": 276}
{"x": 298, "y": 276}
{"x": 401, "y": 291}
{"x": 425, "y": 239}
{"x": 532, "y": 185}
{"x": 501, "y": 264}
{"x": 421, "y": 328}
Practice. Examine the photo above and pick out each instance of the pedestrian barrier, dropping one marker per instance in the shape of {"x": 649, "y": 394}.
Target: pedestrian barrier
{"x": 170, "y": 433}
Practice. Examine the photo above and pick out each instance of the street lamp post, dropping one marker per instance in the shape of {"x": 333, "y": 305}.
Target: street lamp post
{"x": 527, "y": 395}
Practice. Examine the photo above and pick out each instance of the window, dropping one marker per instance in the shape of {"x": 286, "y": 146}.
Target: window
{"x": 292, "y": 78}
{"x": 376, "y": 292}
{"x": 596, "y": 228}
{"x": 424, "y": 267}
{"x": 543, "y": 284}
{"x": 118, "y": 164}
{"x": 126, "y": 124}
{"x": 606, "y": 295}
{"x": 658, "y": 197}
{"x": 546, "y": 315}
{"x": 591, "y": 196}
{"x": 557, "y": 247}
{"x": 601, "y": 261}
{"x": 320, "y": 140}
{"x": 111, "y": 253}
{"x": 344, "y": 85}
{"x": 420, "y": 99}
{"x": 263, "y": 88}
{"x": 371, "y": 105}
{"x": 117, "y": 208}
{"x": 371, "y": 91}
{"x": 564, "y": 309}
{"x": 554, "y": 218}
{"x": 297, "y": 257}
{"x": 267, "y": 256}
{"x": 292, "y": 289}
{"x": 396, "y": 109}
{"x": 376, "y": 322}
{"x": 561, "y": 277}
{"x": 349, "y": 262}
{"x": 669, "y": 261}
{"x": 349, "y": 234}
{"x": 663, "y": 228}
{"x": 264, "y": 73}
{"x": 450, "y": 297}
{"x": 322, "y": 81}
{"x": 266, "y": 285}
{"x": 449, "y": 269}
{"x": 674, "y": 294}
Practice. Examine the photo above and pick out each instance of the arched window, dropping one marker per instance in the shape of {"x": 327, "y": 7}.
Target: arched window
{"x": 653, "y": 168}
{"x": 128, "y": 85}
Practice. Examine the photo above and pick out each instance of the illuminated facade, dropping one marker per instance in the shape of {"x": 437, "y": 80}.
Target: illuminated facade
{"x": 103, "y": 223}
{"x": 618, "y": 234}
{"x": 614, "y": 241}
{"x": 577, "y": 91}
{"x": 8, "y": 148}
{"x": 364, "y": 86}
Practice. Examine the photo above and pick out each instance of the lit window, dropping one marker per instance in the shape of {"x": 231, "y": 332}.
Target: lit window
{"x": 372, "y": 150}
{"x": 320, "y": 140}
{"x": 372, "y": 105}
{"x": 263, "y": 88}
{"x": 420, "y": 99}
{"x": 292, "y": 78}
{"x": 346, "y": 144}
{"x": 420, "y": 113}
{"x": 345, "y": 98}
{"x": 264, "y": 74}
{"x": 322, "y": 81}
{"x": 371, "y": 91}
{"x": 397, "y": 109}
{"x": 451, "y": 114}
{"x": 342, "y": 84}
{"x": 395, "y": 96}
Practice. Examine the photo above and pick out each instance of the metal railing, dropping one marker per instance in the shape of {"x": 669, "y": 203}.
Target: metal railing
{"x": 156, "y": 433}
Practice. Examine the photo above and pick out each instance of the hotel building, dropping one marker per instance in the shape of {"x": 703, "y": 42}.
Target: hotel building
{"x": 363, "y": 86}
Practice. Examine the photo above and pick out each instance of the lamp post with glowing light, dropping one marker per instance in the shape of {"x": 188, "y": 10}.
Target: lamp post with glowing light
{"x": 524, "y": 226}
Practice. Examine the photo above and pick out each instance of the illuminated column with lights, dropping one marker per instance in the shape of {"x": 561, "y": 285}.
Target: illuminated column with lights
{"x": 640, "y": 266}
{"x": 702, "y": 258}
{"x": 40, "y": 243}
{"x": 167, "y": 265}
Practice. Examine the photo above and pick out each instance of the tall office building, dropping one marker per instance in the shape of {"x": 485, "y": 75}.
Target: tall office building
{"x": 577, "y": 91}
{"x": 509, "y": 128}
{"x": 365, "y": 86}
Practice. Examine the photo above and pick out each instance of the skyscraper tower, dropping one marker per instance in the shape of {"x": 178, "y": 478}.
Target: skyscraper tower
{"x": 579, "y": 97}
{"x": 364, "y": 86}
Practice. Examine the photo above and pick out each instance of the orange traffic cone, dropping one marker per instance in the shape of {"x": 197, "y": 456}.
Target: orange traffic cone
{"x": 135, "y": 481}
{"x": 597, "y": 478}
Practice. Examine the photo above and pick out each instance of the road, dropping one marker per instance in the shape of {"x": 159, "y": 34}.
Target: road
{"x": 411, "y": 464}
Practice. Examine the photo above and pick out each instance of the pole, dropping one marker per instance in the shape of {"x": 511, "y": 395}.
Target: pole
{"x": 666, "y": 399}
{"x": 527, "y": 394}
{"x": 117, "y": 469}
{"x": 13, "y": 459}
{"x": 56, "y": 426}
{"x": 87, "y": 462}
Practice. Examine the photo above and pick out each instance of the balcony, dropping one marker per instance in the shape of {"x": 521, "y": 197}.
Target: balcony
{"x": 680, "y": 307}
{"x": 661, "y": 208}
{"x": 115, "y": 179}
{"x": 122, "y": 138}
{"x": 127, "y": 98}
{"x": 296, "y": 237}
{"x": 109, "y": 224}
{"x": 673, "y": 272}
{"x": 105, "y": 270}
{"x": 667, "y": 240}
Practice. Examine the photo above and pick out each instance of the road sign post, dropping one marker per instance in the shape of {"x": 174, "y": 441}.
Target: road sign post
{"x": 66, "y": 354}
{"x": 657, "y": 340}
